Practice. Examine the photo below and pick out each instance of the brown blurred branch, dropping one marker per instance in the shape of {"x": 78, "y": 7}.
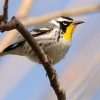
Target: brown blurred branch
{"x": 66, "y": 12}
{"x": 16, "y": 24}
{"x": 24, "y": 8}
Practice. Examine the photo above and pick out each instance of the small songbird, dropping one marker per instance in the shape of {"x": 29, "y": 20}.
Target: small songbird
{"x": 54, "y": 37}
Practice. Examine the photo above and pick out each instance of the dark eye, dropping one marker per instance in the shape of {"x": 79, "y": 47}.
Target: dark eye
{"x": 64, "y": 23}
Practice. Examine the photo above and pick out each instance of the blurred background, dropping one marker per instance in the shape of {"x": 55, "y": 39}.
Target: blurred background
{"x": 78, "y": 72}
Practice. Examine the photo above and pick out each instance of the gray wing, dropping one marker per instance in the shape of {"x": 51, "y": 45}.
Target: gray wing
{"x": 41, "y": 29}
{"x": 35, "y": 33}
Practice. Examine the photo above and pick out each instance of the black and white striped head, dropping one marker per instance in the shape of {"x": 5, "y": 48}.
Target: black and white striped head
{"x": 63, "y": 22}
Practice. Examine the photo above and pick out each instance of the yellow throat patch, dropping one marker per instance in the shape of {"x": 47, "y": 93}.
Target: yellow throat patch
{"x": 69, "y": 32}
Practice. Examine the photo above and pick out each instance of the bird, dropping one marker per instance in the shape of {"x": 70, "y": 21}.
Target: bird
{"x": 54, "y": 37}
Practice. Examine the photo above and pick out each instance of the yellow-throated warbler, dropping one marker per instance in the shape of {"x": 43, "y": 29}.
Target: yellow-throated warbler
{"x": 54, "y": 37}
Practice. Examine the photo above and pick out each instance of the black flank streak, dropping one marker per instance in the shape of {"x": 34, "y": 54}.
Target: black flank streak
{"x": 13, "y": 46}
{"x": 58, "y": 38}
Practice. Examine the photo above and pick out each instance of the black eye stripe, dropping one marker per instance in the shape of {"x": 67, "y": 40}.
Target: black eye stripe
{"x": 64, "y": 25}
{"x": 64, "y": 22}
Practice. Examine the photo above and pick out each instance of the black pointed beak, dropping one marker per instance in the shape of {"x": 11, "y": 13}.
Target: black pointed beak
{"x": 78, "y": 22}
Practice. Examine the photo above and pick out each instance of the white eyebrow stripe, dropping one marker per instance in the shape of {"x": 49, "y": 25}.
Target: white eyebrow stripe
{"x": 62, "y": 19}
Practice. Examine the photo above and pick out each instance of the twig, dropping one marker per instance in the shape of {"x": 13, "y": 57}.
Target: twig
{"x": 5, "y": 13}
{"x": 1, "y": 17}
{"x": 16, "y": 24}
{"x": 4, "y": 17}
